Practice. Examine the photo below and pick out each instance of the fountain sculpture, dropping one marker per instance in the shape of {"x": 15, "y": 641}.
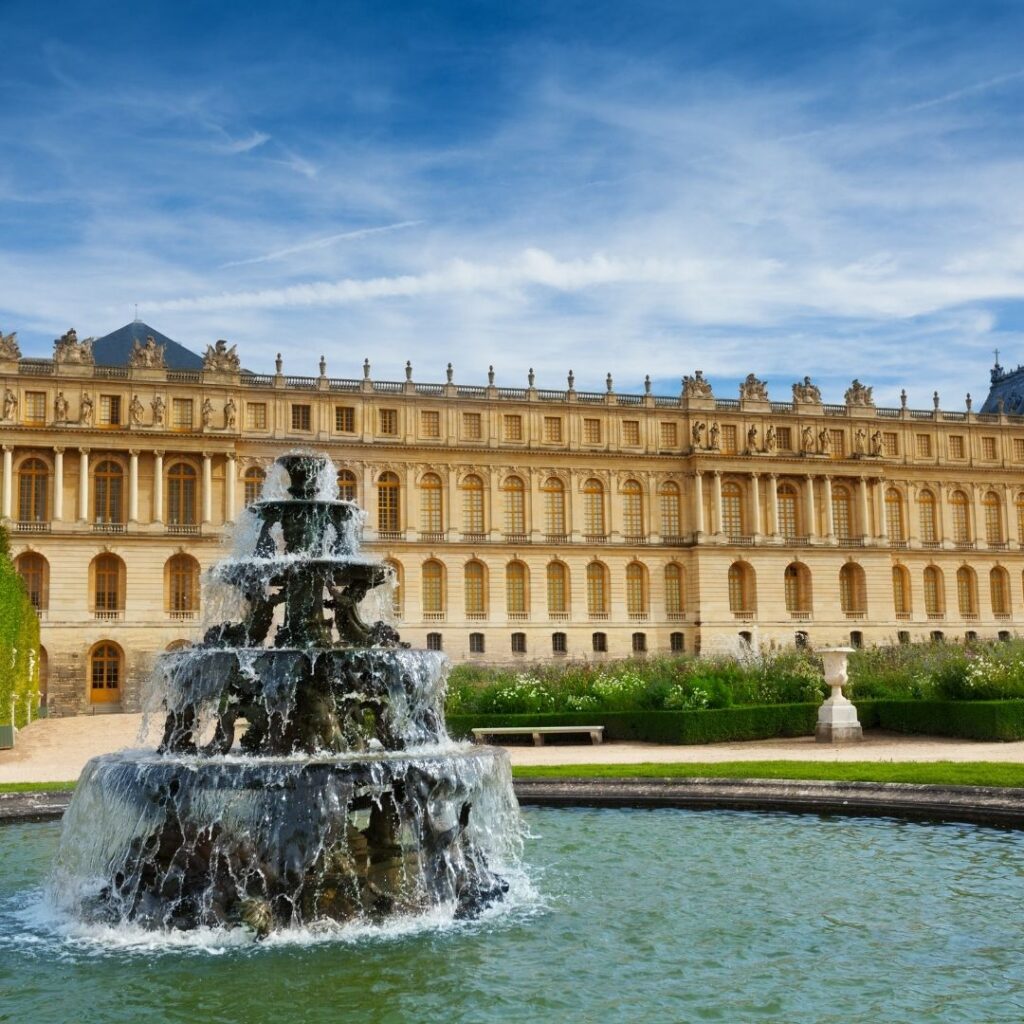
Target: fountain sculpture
{"x": 342, "y": 799}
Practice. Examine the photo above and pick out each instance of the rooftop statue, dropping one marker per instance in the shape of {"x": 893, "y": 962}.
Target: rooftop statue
{"x": 806, "y": 393}
{"x": 697, "y": 386}
{"x": 68, "y": 349}
{"x": 859, "y": 395}
{"x": 753, "y": 390}
{"x": 149, "y": 356}
{"x": 218, "y": 357}
{"x": 9, "y": 346}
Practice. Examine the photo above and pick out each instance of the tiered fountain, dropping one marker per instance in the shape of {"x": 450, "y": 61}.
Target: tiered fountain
{"x": 343, "y": 798}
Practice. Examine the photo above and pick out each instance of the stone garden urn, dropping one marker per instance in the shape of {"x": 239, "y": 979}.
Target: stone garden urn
{"x": 837, "y": 717}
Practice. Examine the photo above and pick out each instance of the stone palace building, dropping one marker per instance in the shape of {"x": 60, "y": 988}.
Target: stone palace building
{"x": 521, "y": 523}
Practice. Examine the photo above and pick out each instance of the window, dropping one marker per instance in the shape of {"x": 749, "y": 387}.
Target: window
{"x": 593, "y": 508}
{"x": 841, "y": 512}
{"x": 677, "y": 643}
{"x": 252, "y": 483}
{"x": 741, "y": 590}
{"x": 938, "y": 637}
{"x": 345, "y": 419}
{"x": 433, "y": 588}
{"x": 903, "y": 637}
{"x": 894, "y": 515}
{"x": 599, "y": 643}
{"x": 591, "y": 431}
{"x": 430, "y": 504}
{"x": 639, "y": 643}
{"x": 967, "y": 592}
{"x": 475, "y": 590}
{"x": 926, "y": 509}
{"x": 476, "y": 643}
{"x": 901, "y": 591}
{"x": 890, "y": 444}
{"x": 729, "y": 439}
{"x": 999, "y": 587}
{"x": 182, "y": 586}
{"x": 181, "y": 413}
{"x": 107, "y": 579}
{"x": 993, "y": 510}
{"x": 856, "y": 639}
{"x": 1020, "y": 516}
{"x": 516, "y": 590}
{"x": 732, "y": 509}
{"x": 513, "y": 427}
{"x": 558, "y": 589}
{"x": 789, "y": 519}
{"x": 108, "y": 488}
{"x": 784, "y": 438}
{"x": 110, "y": 410}
{"x": 256, "y": 415}
{"x": 852, "y": 589}
{"x": 515, "y": 506}
{"x": 675, "y": 594}
{"x": 105, "y": 671}
{"x": 597, "y": 590}
{"x": 631, "y": 432}
{"x": 988, "y": 448}
{"x": 800, "y": 639}
{"x": 472, "y": 505}
{"x": 934, "y": 592}
{"x": 33, "y": 485}
{"x": 559, "y": 643}
{"x": 636, "y": 591}
{"x": 472, "y": 427}
{"x": 633, "y": 509}
{"x": 1018, "y": 449}
{"x": 387, "y": 422}
{"x": 430, "y": 423}
{"x": 554, "y": 507}
{"x": 797, "y": 586}
{"x": 35, "y": 407}
{"x": 668, "y": 434}
{"x": 35, "y": 571}
{"x": 302, "y": 417}
{"x": 387, "y": 503}
{"x": 838, "y": 439}
{"x": 346, "y": 485}
{"x": 518, "y": 643}
{"x": 670, "y": 504}
{"x": 956, "y": 447}
{"x": 923, "y": 446}
{"x": 553, "y": 429}
{"x": 434, "y": 642}
{"x": 181, "y": 494}
{"x": 960, "y": 517}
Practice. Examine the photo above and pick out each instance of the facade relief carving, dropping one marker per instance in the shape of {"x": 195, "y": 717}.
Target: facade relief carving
{"x": 697, "y": 386}
{"x": 714, "y": 437}
{"x": 158, "y": 406}
{"x": 69, "y": 350}
{"x": 771, "y": 442}
{"x": 807, "y": 440}
{"x": 86, "y": 410}
{"x": 859, "y": 395}
{"x": 207, "y": 414}
{"x": 230, "y": 414}
{"x": 136, "y": 411}
{"x": 148, "y": 356}
{"x": 753, "y": 390}
{"x": 10, "y": 404}
{"x": 876, "y": 443}
{"x": 221, "y": 359}
{"x": 9, "y": 346}
{"x": 60, "y": 408}
{"x": 806, "y": 393}
{"x": 697, "y": 434}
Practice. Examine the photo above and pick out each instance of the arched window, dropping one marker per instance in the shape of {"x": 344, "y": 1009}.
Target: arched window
{"x": 35, "y": 571}
{"x": 797, "y": 582}
{"x": 597, "y": 590}
{"x": 181, "y": 494}
{"x": 33, "y": 485}
{"x": 852, "y": 589}
{"x": 346, "y": 485}
{"x": 395, "y": 583}
{"x": 741, "y": 588}
{"x": 108, "y": 586}
{"x": 894, "y": 515}
{"x": 789, "y": 511}
{"x": 1020, "y": 516}
{"x": 515, "y": 506}
{"x": 475, "y": 590}
{"x": 558, "y": 589}
{"x": 958, "y": 507}
{"x": 252, "y": 484}
{"x": 593, "y": 508}
{"x": 841, "y": 516}
{"x": 554, "y": 507}
{"x": 901, "y": 591}
{"x": 636, "y": 591}
{"x": 516, "y": 590}
{"x": 108, "y": 492}
{"x": 430, "y": 504}
{"x": 632, "y": 509}
{"x": 993, "y": 508}
{"x": 967, "y": 592}
{"x": 671, "y": 507}
{"x": 182, "y": 586}
{"x": 433, "y": 589}
{"x": 732, "y": 509}
{"x": 387, "y": 503}
{"x": 472, "y": 505}
{"x": 999, "y": 586}
{"x": 926, "y": 510}
{"x": 675, "y": 591}
{"x": 106, "y": 672}
{"x": 934, "y": 592}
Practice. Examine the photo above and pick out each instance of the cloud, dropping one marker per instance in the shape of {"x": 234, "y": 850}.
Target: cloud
{"x": 248, "y": 144}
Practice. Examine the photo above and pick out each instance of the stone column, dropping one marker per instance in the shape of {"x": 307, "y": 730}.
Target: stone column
{"x": 574, "y": 527}
{"x": 810, "y": 527}
{"x": 83, "y": 484}
{"x": 451, "y": 510}
{"x": 58, "y": 484}
{"x": 830, "y": 526}
{"x": 158, "y": 487}
{"x": 698, "y": 503}
{"x": 755, "y": 502}
{"x": 8, "y": 495}
{"x": 883, "y": 526}
{"x": 913, "y": 516}
{"x": 862, "y": 489}
{"x": 230, "y": 482}
{"x": 977, "y": 513}
{"x": 1010, "y": 516}
{"x": 133, "y": 486}
{"x": 716, "y": 502}
{"x": 945, "y": 533}
{"x": 207, "y": 487}
{"x": 773, "y": 504}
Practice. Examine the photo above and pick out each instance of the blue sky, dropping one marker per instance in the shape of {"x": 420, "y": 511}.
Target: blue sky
{"x": 832, "y": 189}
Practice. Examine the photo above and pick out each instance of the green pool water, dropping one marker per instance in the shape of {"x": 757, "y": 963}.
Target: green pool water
{"x": 633, "y": 916}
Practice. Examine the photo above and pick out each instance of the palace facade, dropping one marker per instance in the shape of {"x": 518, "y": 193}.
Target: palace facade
{"x": 521, "y": 523}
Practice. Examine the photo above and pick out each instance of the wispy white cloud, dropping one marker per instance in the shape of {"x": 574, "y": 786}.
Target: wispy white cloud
{"x": 247, "y": 144}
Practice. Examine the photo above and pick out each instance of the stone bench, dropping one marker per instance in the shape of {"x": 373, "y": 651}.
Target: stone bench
{"x": 539, "y": 732}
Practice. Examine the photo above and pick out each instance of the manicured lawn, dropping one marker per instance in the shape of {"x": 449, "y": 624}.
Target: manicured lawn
{"x": 971, "y": 773}
{"x": 36, "y": 787}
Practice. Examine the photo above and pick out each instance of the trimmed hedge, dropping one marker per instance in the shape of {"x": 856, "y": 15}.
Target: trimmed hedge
{"x": 19, "y": 645}
{"x": 750, "y": 722}
{"x": 993, "y": 720}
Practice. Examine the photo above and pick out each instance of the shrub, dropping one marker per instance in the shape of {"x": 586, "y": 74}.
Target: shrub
{"x": 19, "y": 645}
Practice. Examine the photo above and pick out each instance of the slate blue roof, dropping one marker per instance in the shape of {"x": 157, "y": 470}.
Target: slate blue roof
{"x": 113, "y": 349}
{"x": 1008, "y": 388}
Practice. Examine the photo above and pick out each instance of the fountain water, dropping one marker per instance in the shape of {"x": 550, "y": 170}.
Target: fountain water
{"x": 342, "y": 799}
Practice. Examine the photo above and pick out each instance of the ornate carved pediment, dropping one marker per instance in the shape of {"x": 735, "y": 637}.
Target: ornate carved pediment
{"x": 806, "y": 393}
{"x": 753, "y": 390}
{"x": 9, "y": 346}
{"x": 859, "y": 395}
{"x": 697, "y": 386}
{"x": 218, "y": 357}
{"x": 148, "y": 356}
{"x": 68, "y": 349}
